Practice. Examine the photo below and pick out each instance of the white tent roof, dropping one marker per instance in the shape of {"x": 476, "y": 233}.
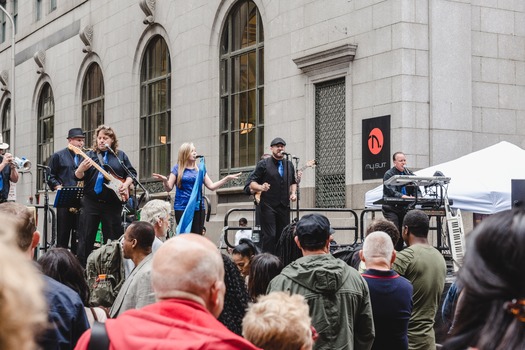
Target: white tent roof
{"x": 480, "y": 181}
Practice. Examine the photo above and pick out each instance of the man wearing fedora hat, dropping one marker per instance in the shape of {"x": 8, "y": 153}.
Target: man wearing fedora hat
{"x": 62, "y": 166}
{"x": 274, "y": 178}
{"x": 8, "y": 172}
{"x": 336, "y": 293}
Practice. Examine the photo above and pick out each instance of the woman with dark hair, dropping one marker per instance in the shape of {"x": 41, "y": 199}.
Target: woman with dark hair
{"x": 490, "y": 313}
{"x": 236, "y": 297}
{"x": 242, "y": 255}
{"x": 61, "y": 265}
{"x": 263, "y": 268}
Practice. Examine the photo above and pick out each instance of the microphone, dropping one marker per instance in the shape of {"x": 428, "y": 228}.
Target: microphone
{"x": 199, "y": 156}
{"x": 110, "y": 149}
{"x": 285, "y": 154}
{"x": 40, "y": 166}
{"x": 294, "y": 157}
{"x": 408, "y": 170}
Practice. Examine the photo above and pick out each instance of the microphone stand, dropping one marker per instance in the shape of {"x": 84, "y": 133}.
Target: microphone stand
{"x": 133, "y": 177}
{"x": 47, "y": 210}
{"x": 286, "y": 176}
{"x": 297, "y": 187}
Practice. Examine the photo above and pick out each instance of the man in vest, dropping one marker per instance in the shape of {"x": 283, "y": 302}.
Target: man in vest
{"x": 274, "y": 178}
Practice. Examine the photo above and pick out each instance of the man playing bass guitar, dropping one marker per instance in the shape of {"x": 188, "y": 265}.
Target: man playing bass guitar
{"x": 103, "y": 194}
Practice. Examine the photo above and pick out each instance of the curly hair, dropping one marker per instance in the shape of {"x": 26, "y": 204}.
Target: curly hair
{"x": 108, "y": 131}
{"x": 236, "y": 297}
{"x": 385, "y": 226}
{"x": 279, "y": 321}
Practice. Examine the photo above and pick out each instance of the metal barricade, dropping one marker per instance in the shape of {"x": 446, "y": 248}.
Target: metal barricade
{"x": 351, "y": 214}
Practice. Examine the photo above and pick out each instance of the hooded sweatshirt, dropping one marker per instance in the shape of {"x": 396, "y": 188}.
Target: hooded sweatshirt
{"x": 338, "y": 298}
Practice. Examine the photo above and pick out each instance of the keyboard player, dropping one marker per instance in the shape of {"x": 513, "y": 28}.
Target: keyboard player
{"x": 396, "y": 213}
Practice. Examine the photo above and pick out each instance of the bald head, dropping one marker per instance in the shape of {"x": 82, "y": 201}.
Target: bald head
{"x": 189, "y": 266}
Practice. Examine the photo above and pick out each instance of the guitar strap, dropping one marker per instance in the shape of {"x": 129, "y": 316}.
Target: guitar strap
{"x": 100, "y": 159}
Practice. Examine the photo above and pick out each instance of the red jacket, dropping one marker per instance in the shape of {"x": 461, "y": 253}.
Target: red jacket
{"x": 169, "y": 324}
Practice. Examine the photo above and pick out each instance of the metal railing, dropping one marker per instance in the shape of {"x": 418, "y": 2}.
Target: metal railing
{"x": 351, "y": 215}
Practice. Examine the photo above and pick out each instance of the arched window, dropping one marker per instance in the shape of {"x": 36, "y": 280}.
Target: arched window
{"x": 6, "y": 121}
{"x": 92, "y": 101}
{"x": 45, "y": 129}
{"x": 155, "y": 109}
{"x": 241, "y": 88}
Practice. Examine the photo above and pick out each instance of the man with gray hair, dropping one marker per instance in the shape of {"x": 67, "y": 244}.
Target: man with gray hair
{"x": 188, "y": 280}
{"x": 390, "y": 294}
{"x": 157, "y": 213}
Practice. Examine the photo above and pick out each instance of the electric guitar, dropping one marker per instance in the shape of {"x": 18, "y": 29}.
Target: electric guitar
{"x": 309, "y": 164}
{"x": 114, "y": 181}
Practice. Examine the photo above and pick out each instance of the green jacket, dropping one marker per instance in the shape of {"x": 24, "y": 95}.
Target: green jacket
{"x": 338, "y": 298}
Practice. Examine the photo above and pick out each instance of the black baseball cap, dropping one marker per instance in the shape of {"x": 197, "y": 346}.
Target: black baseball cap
{"x": 313, "y": 229}
{"x": 277, "y": 141}
{"x": 75, "y": 132}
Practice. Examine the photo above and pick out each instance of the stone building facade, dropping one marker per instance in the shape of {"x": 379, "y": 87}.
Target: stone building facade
{"x": 230, "y": 75}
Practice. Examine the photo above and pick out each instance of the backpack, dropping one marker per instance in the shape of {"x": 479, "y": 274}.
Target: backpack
{"x": 105, "y": 274}
{"x": 350, "y": 255}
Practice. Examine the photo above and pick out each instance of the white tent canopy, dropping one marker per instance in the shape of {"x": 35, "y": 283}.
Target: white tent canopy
{"x": 480, "y": 181}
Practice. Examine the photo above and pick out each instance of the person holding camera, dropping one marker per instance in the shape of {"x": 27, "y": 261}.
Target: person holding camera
{"x": 8, "y": 172}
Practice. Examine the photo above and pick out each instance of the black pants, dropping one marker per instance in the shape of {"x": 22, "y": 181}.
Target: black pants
{"x": 396, "y": 214}
{"x": 67, "y": 224}
{"x": 273, "y": 220}
{"x": 198, "y": 220}
{"x": 94, "y": 212}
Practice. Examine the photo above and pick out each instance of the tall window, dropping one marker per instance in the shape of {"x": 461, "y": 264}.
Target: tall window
{"x": 3, "y": 20}
{"x": 6, "y": 122}
{"x": 155, "y": 109}
{"x": 92, "y": 101}
{"x": 241, "y": 89}
{"x": 45, "y": 129}
{"x": 38, "y": 10}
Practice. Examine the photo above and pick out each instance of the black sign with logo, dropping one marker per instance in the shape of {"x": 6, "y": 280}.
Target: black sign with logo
{"x": 376, "y": 147}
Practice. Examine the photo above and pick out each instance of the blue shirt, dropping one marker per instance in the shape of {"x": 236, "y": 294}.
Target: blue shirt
{"x": 391, "y": 297}
{"x": 182, "y": 194}
{"x": 66, "y": 315}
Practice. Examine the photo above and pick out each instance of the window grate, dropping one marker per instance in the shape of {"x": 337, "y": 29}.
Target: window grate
{"x": 330, "y": 144}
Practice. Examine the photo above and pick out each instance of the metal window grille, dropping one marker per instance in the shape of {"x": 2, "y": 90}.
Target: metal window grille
{"x": 330, "y": 139}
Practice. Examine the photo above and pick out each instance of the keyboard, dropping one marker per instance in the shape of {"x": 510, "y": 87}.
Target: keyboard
{"x": 402, "y": 180}
{"x": 424, "y": 202}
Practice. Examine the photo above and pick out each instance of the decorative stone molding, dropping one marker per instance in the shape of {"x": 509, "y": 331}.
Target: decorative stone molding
{"x": 148, "y": 7}
{"x": 4, "y": 79}
{"x": 329, "y": 59}
{"x": 40, "y": 59}
{"x": 86, "y": 35}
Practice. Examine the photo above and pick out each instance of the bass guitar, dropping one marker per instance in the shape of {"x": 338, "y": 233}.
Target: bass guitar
{"x": 309, "y": 164}
{"x": 113, "y": 180}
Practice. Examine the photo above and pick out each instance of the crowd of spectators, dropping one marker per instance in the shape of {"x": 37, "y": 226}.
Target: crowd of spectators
{"x": 185, "y": 294}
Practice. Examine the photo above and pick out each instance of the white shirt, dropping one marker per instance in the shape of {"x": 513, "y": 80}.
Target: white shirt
{"x": 242, "y": 234}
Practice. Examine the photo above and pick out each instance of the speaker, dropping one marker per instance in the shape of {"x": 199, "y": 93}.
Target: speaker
{"x": 518, "y": 193}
